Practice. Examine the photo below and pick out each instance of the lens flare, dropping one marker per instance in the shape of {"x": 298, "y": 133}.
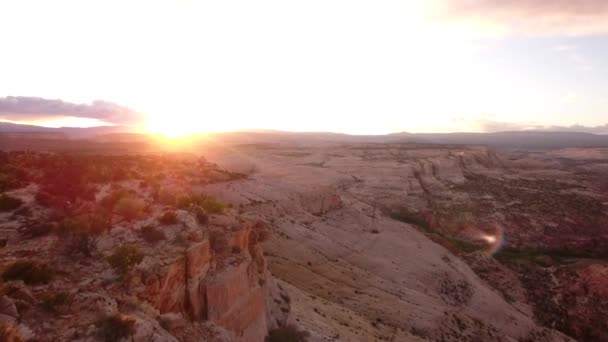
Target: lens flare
{"x": 494, "y": 240}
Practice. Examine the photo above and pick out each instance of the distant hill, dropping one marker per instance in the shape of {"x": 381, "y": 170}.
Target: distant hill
{"x": 512, "y": 140}
{"x": 524, "y": 140}
{"x": 70, "y": 132}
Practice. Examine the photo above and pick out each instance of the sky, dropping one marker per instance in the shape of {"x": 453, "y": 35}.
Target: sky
{"x": 351, "y": 66}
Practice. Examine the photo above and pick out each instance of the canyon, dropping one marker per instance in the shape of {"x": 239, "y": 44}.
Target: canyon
{"x": 347, "y": 241}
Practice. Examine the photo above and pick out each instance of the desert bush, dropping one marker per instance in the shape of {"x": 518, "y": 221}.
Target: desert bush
{"x": 99, "y": 173}
{"x": 67, "y": 179}
{"x": 124, "y": 258}
{"x": 129, "y": 207}
{"x": 12, "y": 178}
{"x": 79, "y": 244}
{"x": 8, "y": 203}
{"x": 116, "y": 327}
{"x": 289, "y": 333}
{"x": 152, "y": 234}
{"x": 32, "y": 273}
{"x": 166, "y": 197}
{"x": 168, "y": 217}
{"x": 51, "y": 301}
{"x": 86, "y": 224}
{"x": 212, "y": 205}
{"x": 207, "y": 203}
{"x": 110, "y": 200}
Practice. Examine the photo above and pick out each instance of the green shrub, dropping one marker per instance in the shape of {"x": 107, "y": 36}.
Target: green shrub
{"x": 152, "y": 234}
{"x": 8, "y": 203}
{"x": 116, "y": 327}
{"x": 168, "y": 217}
{"x": 129, "y": 207}
{"x": 32, "y": 273}
{"x": 90, "y": 224}
{"x": 124, "y": 258}
{"x": 213, "y": 206}
{"x": 289, "y": 333}
{"x": 207, "y": 203}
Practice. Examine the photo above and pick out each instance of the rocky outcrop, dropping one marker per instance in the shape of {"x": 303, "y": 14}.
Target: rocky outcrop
{"x": 165, "y": 264}
{"x": 354, "y": 272}
{"x": 225, "y": 287}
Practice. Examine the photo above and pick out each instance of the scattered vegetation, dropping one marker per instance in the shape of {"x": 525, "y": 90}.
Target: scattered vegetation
{"x": 168, "y": 217}
{"x": 10, "y": 178}
{"x": 31, "y": 272}
{"x": 166, "y": 197}
{"x": 116, "y": 327}
{"x": 289, "y": 333}
{"x": 124, "y": 258}
{"x": 129, "y": 207}
{"x": 212, "y": 206}
{"x": 408, "y": 217}
{"x": 9, "y": 203}
{"x": 209, "y": 204}
{"x": 536, "y": 255}
{"x": 110, "y": 200}
{"x": 420, "y": 220}
{"x": 90, "y": 224}
{"x": 463, "y": 245}
{"x": 79, "y": 233}
{"x": 152, "y": 234}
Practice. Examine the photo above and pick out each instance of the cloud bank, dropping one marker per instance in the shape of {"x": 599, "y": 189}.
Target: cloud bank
{"x": 533, "y": 17}
{"x": 22, "y": 108}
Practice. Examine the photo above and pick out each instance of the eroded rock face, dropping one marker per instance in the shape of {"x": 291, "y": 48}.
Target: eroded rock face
{"x": 137, "y": 270}
{"x": 360, "y": 261}
{"x": 204, "y": 284}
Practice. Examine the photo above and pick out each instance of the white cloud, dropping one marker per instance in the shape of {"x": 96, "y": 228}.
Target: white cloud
{"x": 529, "y": 17}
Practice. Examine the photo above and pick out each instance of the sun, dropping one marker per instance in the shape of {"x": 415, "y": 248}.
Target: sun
{"x": 172, "y": 127}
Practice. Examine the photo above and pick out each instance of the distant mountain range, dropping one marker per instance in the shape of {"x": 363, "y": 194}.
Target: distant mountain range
{"x": 70, "y": 132}
{"x": 525, "y": 140}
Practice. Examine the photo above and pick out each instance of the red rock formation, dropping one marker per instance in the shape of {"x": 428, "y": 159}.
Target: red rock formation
{"x": 196, "y": 284}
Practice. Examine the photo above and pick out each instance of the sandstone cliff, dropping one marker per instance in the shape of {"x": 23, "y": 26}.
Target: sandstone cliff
{"x": 142, "y": 270}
